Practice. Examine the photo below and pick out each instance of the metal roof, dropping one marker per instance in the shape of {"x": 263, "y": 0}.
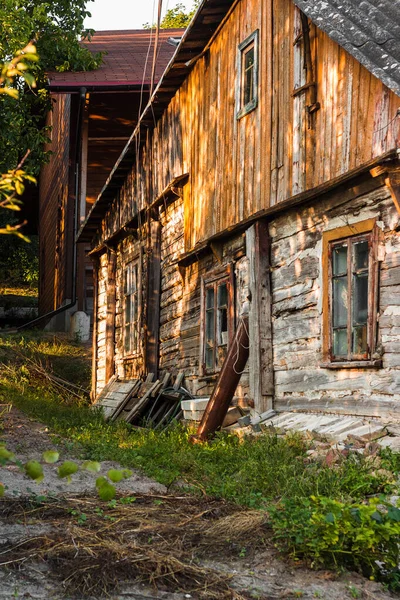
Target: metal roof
{"x": 368, "y": 29}
{"x": 127, "y": 60}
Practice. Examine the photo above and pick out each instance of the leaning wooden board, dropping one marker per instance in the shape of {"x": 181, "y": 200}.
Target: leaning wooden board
{"x": 114, "y": 395}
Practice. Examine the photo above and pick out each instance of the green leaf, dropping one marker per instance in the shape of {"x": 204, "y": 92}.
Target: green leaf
{"x": 376, "y": 516}
{"x": 100, "y": 481}
{"x": 115, "y": 476}
{"x": 6, "y": 455}
{"x": 91, "y": 465}
{"x": 394, "y": 513}
{"x": 50, "y": 456}
{"x": 2, "y": 490}
{"x": 330, "y": 518}
{"x": 34, "y": 470}
{"x": 126, "y": 473}
{"x": 67, "y": 469}
{"x": 106, "y": 492}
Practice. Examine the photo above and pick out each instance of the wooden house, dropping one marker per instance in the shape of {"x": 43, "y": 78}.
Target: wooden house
{"x": 264, "y": 178}
{"x": 93, "y": 115}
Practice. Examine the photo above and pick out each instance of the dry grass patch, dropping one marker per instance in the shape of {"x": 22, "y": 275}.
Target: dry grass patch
{"x": 150, "y": 539}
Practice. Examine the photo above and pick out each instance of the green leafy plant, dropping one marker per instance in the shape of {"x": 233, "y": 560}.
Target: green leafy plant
{"x": 323, "y": 531}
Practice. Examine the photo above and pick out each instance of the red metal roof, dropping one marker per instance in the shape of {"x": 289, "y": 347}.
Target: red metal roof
{"x": 128, "y": 60}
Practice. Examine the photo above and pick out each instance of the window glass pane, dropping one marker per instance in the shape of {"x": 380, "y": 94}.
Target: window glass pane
{"x": 339, "y": 260}
{"x": 340, "y": 302}
{"x": 126, "y": 281}
{"x": 222, "y": 326}
{"x": 134, "y": 278}
{"x": 210, "y": 298}
{"x": 223, "y": 295}
{"x": 360, "y": 300}
{"x": 127, "y": 310}
{"x": 127, "y": 338}
{"x": 249, "y": 58}
{"x": 248, "y": 76}
{"x": 360, "y": 255}
{"x": 340, "y": 342}
{"x": 210, "y": 327}
{"x": 209, "y": 357}
{"x": 360, "y": 340}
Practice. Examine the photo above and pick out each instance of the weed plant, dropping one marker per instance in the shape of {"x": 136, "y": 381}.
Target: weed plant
{"x": 318, "y": 512}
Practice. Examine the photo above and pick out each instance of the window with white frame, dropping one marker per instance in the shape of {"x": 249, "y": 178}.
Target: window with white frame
{"x": 131, "y": 308}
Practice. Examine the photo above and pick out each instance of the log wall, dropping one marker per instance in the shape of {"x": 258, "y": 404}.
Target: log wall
{"x": 300, "y": 381}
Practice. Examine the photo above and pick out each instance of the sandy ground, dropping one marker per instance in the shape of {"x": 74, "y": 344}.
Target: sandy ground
{"x": 260, "y": 575}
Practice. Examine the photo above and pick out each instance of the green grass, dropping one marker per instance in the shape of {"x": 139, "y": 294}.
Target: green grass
{"x": 55, "y": 352}
{"x": 264, "y": 472}
{"x": 251, "y": 472}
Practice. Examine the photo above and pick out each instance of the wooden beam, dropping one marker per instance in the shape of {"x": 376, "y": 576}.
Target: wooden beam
{"x": 300, "y": 199}
{"x": 392, "y": 181}
{"x": 153, "y": 299}
{"x": 171, "y": 188}
{"x": 96, "y": 263}
{"x": 110, "y": 317}
{"x": 261, "y": 373}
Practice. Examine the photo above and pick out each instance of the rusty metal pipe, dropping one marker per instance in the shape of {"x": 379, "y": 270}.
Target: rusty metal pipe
{"x": 227, "y": 383}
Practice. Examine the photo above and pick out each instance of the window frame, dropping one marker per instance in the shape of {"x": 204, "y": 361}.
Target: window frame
{"x": 213, "y": 280}
{"x": 134, "y": 349}
{"x": 242, "y": 108}
{"x": 367, "y": 230}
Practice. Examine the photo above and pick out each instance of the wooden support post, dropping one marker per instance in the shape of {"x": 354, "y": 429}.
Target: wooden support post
{"x": 153, "y": 299}
{"x": 260, "y": 321}
{"x": 96, "y": 264}
{"x": 227, "y": 383}
{"x": 110, "y": 317}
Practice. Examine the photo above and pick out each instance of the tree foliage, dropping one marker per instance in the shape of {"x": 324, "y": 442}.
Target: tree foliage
{"x": 55, "y": 27}
{"x": 176, "y": 17}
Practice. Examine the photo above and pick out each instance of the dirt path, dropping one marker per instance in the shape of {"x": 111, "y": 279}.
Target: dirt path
{"x": 187, "y": 547}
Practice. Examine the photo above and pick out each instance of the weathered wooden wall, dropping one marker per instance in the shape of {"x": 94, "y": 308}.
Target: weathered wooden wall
{"x": 100, "y": 325}
{"x": 180, "y": 323}
{"x": 180, "y": 310}
{"x": 300, "y": 382}
{"x": 238, "y": 167}
{"x": 55, "y": 218}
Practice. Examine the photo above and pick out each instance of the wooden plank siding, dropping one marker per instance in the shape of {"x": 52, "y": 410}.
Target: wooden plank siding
{"x": 238, "y": 167}
{"x": 54, "y": 209}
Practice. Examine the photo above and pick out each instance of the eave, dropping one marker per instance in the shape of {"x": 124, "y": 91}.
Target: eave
{"x": 210, "y": 15}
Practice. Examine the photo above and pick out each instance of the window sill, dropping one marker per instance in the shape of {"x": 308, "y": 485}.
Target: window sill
{"x": 356, "y": 364}
{"x": 247, "y": 109}
{"x": 130, "y": 357}
{"x": 211, "y": 377}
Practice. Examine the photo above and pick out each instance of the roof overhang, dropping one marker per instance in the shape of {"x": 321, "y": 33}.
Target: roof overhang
{"x": 96, "y": 86}
{"x": 209, "y": 17}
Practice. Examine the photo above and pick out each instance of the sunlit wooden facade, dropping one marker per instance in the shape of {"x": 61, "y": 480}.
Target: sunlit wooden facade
{"x": 209, "y": 200}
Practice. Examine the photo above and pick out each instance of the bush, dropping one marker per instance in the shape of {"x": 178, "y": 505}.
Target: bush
{"x": 325, "y": 532}
{"x": 19, "y": 260}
